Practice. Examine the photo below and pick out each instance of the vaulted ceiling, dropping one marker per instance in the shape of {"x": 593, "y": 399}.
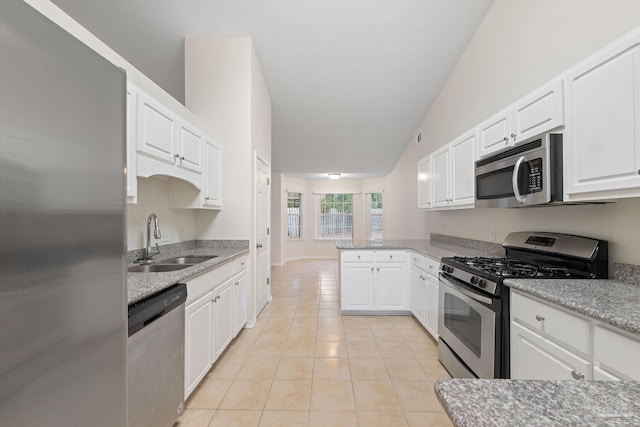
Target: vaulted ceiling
{"x": 350, "y": 80}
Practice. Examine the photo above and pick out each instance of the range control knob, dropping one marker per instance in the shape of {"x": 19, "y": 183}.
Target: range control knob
{"x": 449, "y": 269}
{"x": 474, "y": 280}
{"x": 482, "y": 283}
{"x": 443, "y": 267}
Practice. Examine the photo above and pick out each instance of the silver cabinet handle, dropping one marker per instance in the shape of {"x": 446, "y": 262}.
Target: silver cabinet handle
{"x": 539, "y": 318}
{"x": 259, "y": 246}
{"x": 358, "y": 256}
{"x": 577, "y": 375}
{"x": 175, "y": 156}
{"x": 390, "y": 256}
{"x": 378, "y": 270}
{"x": 181, "y": 157}
{"x": 513, "y": 135}
{"x": 372, "y": 269}
{"x": 505, "y": 139}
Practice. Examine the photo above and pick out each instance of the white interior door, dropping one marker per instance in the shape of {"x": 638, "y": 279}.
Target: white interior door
{"x": 261, "y": 221}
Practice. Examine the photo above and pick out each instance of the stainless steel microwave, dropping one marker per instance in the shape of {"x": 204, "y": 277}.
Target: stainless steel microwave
{"x": 528, "y": 174}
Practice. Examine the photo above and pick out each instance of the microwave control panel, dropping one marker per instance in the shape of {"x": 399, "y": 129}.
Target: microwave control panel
{"x": 535, "y": 176}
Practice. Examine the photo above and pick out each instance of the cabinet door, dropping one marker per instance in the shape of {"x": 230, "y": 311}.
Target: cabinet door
{"x": 240, "y": 297}
{"x": 357, "y": 286}
{"x": 213, "y": 175}
{"x": 601, "y": 139}
{"x": 494, "y": 133}
{"x": 189, "y": 149}
{"x": 535, "y": 357}
{"x": 615, "y": 352}
{"x": 417, "y": 295}
{"x": 391, "y": 286}
{"x": 424, "y": 183}
{"x": 440, "y": 173}
{"x": 463, "y": 158}
{"x": 157, "y": 130}
{"x": 132, "y": 179}
{"x": 197, "y": 348}
{"x": 431, "y": 307}
{"x": 223, "y": 317}
{"x": 538, "y": 112}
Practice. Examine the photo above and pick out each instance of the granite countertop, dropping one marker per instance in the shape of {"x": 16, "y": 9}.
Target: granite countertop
{"x": 437, "y": 247}
{"x": 143, "y": 285}
{"x": 540, "y": 403}
{"x": 610, "y": 301}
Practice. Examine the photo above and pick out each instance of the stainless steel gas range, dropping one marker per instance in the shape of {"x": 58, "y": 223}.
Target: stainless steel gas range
{"x": 474, "y": 305}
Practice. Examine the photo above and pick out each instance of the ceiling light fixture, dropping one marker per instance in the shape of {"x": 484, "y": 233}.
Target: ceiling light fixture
{"x": 334, "y": 176}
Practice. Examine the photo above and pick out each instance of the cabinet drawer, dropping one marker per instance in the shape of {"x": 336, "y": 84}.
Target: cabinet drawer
{"x": 205, "y": 282}
{"x": 557, "y": 324}
{"x": 417, "y": 260}
{"x": 357, "y": 256}
{"x": 239, "y": 265}
{"x": 390, "y": 256}
{"x": 617, "y": 352}
{"x": 431, "y": 266}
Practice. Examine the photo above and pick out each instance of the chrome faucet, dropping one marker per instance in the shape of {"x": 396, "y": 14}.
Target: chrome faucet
{"x": 148, "y": 256}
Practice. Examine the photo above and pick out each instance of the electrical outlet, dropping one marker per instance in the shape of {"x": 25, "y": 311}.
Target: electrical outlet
{"x": 164, "y": 237}
{"x": 181, "y": 231}
{"x": 492, "y": 234}
{"x": 419, "y": 137}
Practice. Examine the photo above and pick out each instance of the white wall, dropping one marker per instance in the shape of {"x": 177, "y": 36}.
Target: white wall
{"x": 176, "y": 225}
{"x": 519, "y": 46}
{"x": 218, "y": 89}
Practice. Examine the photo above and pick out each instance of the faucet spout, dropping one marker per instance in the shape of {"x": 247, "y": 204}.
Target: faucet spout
{"x": 156, "y": 233}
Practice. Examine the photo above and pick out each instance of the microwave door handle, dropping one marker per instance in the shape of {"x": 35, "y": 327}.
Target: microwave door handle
{"x": 514, "y": 180}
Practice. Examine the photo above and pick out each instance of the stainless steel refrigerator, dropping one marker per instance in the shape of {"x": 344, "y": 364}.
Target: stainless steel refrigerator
{"x": 62, "y": 244}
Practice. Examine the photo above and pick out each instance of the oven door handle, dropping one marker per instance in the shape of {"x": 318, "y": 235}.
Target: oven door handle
{"x": 466, "y": 292}
{"x": 514, "y": 180}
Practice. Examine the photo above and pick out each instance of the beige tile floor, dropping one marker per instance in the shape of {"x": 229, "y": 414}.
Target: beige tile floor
{"x": 303, "y": 364}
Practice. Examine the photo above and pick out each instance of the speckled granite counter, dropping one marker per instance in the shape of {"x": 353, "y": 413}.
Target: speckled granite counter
{"x": 437, "y": 247}
{"x": 609, "y": 301}
{"x": 540, "y": 403}
{"x": 142, "y": 285}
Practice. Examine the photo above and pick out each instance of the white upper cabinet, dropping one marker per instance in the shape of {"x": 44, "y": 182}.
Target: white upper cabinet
{"x": 424, "y": 183}
{"x": 540, "y": 111}
{"x": 463, "y": 157}
{"x": 440, "y": 163}
{"x": 494, "y": 133}
{"x": 132, "y": 173}
{"x": 213, "y": 175}
{"x": 602, "y": 137}
{"x": 446, "y": 177}
{"x": 189, "y": 149}
{"x": 167, "y": 145}
{"x": 157, "y": 129}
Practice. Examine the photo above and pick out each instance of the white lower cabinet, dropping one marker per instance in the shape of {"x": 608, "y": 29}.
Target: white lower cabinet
{"x": 535, "y": 357}
{"x": 551, "y": 343}
{"x": 424, "y": 292}
{"x": 198, "y": 333}
{"x": 432, "y": 305}
{"x": 374, "y": 281}
{"x": 215, "y": 312}
{"x": 418, "y": 293}
{"x": 223, "y": 329}
{"x": 240, "y": 293}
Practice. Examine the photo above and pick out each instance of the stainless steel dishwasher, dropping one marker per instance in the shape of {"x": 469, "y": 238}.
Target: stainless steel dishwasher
{"x": 155, "y": 359}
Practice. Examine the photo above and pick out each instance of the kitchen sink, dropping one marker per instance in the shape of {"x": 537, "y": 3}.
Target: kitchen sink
{"x": 157, "y": 268}
{"x": 189, "y": 259}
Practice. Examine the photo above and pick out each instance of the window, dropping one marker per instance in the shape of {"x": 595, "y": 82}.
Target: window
{"x": 375, "y": 216}
{"x": 335, "y": 216}
{"x": 294, "y": 215}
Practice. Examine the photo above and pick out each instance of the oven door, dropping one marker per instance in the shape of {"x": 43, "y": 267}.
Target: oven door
{"x": 520, "y": 176}
{"x": 467, "y": 325}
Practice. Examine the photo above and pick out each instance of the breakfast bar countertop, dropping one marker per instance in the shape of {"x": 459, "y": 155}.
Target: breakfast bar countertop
{"x": 476, "y": 403}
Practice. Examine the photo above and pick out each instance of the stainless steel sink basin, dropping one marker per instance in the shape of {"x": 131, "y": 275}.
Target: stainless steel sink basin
{"x": 157, "y": 268}
{"x": 190, "y": 259}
